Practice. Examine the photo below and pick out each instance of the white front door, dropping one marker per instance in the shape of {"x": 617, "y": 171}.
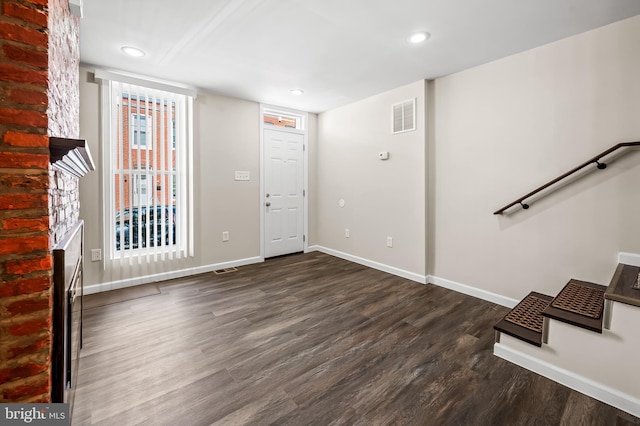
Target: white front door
{"x": 283, "y": 198}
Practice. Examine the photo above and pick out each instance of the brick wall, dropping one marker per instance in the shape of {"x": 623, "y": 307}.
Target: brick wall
{"x": 63, "y": 112}
{"x": 38, "y": 47}
{"x": 64, "y": 204}
{"x": 64, "y": 71}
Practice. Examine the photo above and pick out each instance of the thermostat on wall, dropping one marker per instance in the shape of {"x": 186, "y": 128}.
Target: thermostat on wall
{"x": 384, "y": 155}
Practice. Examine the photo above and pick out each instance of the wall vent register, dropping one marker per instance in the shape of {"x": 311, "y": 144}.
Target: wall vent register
{"x": 403, "y": 116}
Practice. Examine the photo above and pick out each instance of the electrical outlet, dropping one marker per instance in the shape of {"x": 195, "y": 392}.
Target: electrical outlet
{"x": 389, "y": 241}
{"x": 96, "y": 255}
{"x": 347, "y": 233}
{"x": 225, "y": 236}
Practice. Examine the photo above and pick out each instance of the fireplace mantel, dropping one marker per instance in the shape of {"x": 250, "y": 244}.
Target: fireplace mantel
{"x": 71, "y": 155}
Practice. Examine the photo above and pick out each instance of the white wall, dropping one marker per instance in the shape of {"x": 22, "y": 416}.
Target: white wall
{"x": 226, "y": 138}
{"x": 495, "y": 132}
{"x": 506, "y": 127}
{"x": 382, "y": 198}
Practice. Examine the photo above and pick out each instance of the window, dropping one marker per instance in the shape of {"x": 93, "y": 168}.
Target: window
{"x": 140, "y": 192}
{"x": 140, "y": 128}
{"x": 173, "y": 134}
{"x": 147, "y": 173}
{"x": 272, "y": 117}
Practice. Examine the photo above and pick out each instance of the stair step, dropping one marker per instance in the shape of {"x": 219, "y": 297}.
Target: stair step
{"x": 579, "y": 303}
{"x": 525, "y": 320}
{"x": 621, "y": 288}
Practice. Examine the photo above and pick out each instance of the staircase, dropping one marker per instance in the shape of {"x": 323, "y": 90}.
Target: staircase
{"x": 586, "y": 337}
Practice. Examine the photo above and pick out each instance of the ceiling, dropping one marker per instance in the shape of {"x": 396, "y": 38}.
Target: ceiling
{"x": 337, "y": 51}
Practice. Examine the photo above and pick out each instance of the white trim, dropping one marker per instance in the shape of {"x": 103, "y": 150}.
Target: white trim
{"x": 105, "y": 180}
{"x": 370, "y": 263}
{"x": 474, "y": 291}
{"x": 261, "y": 197}
{"x": 596, "y": 390}
{"x": 423, "y": 279}
{"x": 631, "y": 259}
{"x": 138, "y": 80}
{"x": 190, "y": 185}
{"x": 114, "y": 285}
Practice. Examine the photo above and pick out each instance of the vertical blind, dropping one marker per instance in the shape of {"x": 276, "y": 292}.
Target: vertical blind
{"x": 148, "y": 180}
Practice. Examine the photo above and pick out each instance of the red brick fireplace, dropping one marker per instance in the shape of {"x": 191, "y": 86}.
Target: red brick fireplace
{"x": 39, "y": 97}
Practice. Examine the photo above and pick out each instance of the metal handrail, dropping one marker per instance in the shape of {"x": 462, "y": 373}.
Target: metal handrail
{"x": 594, "y": 160}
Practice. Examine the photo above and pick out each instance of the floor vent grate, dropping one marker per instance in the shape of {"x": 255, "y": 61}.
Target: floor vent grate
{"x": 224, "y": 271}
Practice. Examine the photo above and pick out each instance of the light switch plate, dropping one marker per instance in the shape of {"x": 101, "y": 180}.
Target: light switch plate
{"x": 243, "y": 175}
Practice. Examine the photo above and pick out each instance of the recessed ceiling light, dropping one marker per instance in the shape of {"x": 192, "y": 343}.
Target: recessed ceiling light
{"x": 419, "y": 37}
{"x": 297, "y": 92}
{"x": 132, "y": 51}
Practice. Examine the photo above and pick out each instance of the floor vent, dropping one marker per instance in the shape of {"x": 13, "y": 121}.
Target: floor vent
{"x": 224, "y": 271}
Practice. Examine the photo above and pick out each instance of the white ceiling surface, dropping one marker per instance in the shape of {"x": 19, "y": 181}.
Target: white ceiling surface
{"x": 337, "y": 51}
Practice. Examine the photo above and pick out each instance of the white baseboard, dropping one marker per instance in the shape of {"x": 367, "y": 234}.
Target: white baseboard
{"x": 567, "y": 378}
{"x": 473, "y": 291}
{"x": 371, "y": 264}
{"x": 441, "y": 282}
{"x": 629, "y": 259}
{"x": 130, "y": 282}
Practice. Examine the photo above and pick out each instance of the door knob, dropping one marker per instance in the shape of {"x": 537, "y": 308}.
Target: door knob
{"x": 268, "y": 203}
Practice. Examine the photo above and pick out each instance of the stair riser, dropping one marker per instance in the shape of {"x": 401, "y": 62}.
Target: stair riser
{"x": 568, "y": 378}
{"x": 605, "y": 358}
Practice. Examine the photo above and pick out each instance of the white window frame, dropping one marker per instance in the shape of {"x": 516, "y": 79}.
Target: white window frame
{"x": 284, "y": 114}
{"x": 140, "y": 188}
{"x": 184, "y": 174}
{"x": 135, "y": 127}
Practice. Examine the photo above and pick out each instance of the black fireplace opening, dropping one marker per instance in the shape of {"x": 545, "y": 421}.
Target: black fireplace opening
{"x": 67, "y": 314}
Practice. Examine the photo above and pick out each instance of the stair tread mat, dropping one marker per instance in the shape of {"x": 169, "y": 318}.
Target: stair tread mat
{"x": 527, "y": 313}
{"x": 580, "y": 299}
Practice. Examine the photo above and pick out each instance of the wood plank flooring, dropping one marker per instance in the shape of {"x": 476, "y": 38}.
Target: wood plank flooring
{"x": 309, "y": 339}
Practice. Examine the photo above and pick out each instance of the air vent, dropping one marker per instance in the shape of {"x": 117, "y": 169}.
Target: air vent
{"x": 224, "y": 271}
{"x": 403, "y": 116}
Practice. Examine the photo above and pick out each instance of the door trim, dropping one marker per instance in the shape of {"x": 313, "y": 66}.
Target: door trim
{"x": 305, "y": 173}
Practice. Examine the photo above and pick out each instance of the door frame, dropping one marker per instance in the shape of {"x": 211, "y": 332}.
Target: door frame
{"x": 304, "y": 116}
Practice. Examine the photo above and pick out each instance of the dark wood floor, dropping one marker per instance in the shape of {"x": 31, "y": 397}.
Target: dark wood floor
{"x": 308, "y": 340}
